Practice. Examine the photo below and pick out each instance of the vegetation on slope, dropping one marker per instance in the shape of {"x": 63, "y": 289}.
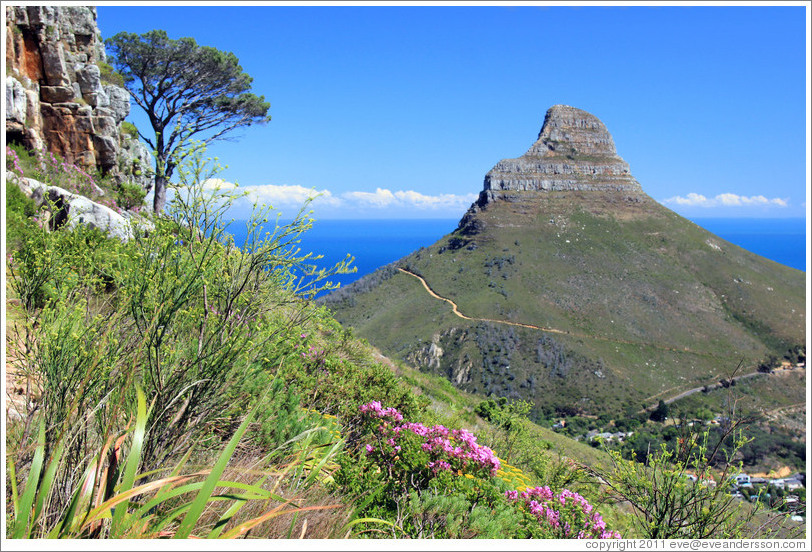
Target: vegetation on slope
{"x": 177, "y": 385}
{"x": 632, "y": 300}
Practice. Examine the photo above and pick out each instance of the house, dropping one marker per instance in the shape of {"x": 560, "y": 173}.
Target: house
{"x": 791, "y": 484}
{"x": 743, "y": 480}
{"x": 778, "y": 483}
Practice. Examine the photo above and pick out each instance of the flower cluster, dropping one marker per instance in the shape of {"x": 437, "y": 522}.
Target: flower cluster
{"x": 312, "y": 357}
{"x": 55, "y": 171}
{"x": 565, "y": 515}
{"x": 13, "y": 160}
{"x": 446, "y": 450}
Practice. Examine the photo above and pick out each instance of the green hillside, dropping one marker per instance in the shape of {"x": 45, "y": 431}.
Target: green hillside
{"x": 576, "y": 290}
{"x": 638, "y": 300}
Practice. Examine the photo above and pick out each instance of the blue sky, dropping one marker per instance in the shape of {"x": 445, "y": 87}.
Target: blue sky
{"x": 400, "y": 111}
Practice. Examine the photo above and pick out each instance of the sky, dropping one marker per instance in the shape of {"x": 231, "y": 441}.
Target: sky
{"x": 399, "y": 111}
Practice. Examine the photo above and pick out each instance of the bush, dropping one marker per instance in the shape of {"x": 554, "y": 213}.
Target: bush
{"x": 130, "y": 196}
{"x": 668, "y": 504}
{"x": 129, "y": 129}
{"x": 109, "y": 75}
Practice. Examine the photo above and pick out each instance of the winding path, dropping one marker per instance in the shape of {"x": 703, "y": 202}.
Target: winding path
{"x": 671, "y": 399}
{"x": 457, "y": 312}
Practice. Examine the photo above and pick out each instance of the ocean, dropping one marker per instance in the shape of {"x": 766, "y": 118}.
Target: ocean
{"x": 780, "y": 240}
{"x": 378, "y": 242}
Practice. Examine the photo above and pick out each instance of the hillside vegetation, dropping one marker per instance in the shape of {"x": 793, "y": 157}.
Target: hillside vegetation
{"x": 180, "y": 385}
{"x": 582, "y": 302}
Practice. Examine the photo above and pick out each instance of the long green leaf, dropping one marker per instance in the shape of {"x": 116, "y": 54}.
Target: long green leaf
{"x": 27, "y": 500}
{"x": 12, "y": 479}
{"x": 48, "y": 480}
{"x": 253, "y": 493}
{"x": 191, "y": 518}
{"x": 133, "y": 458}
{"x": 103, "y": 510}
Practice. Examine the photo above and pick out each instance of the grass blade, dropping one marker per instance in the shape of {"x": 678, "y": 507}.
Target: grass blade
{"x": 48, "y": 480}
{"x": 211, "y": 482}
{"x": 27, "y": 500}
{"x": 133, "y": 458}
{"x": 12, "y": 479}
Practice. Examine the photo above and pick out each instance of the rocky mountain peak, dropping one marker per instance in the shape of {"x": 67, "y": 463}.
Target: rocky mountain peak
{"x": 566, "y": 128}
{"x": 574, "y": 151}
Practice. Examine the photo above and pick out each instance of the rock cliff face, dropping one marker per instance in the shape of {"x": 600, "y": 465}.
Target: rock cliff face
{"x": 55, "y": 95}
{"x": 574, "y": 152}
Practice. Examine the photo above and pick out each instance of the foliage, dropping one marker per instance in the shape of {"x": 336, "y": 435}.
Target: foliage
{"x": 105, "y": 501}
{"x": 186, "y": 90}
{"x": 420, "y": 481}
{"x": 677, "y": 494}
{"x": 660, "y": 414}
{"x": 18, "y": 202}
{"x": 179, "y": 313}
{"x": 51, "y": 169}
{"x": 130, "y": 196}
{"x": 108, "y": 75}
{"x": 129, "y": 129}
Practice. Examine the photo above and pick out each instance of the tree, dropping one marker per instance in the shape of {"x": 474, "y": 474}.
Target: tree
{"x": 186, "y": 90}
{"x": 660, "y": 414}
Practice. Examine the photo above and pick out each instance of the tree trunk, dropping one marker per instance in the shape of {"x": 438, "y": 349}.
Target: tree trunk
{"x": 160, "y": 193}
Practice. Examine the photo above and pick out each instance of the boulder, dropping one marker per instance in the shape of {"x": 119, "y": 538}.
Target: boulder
{"x": 72, "y": 209}
{"x": 57, "y": 94}
{"x": 53, "y": 64}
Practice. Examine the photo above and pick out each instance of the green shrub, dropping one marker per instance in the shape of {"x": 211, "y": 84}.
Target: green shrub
{"x": 18, "y": 202}
{"x": 129, "y": 129}
{"x": 109, "y": 75}
{"x": 130, "y": 195}
{"x": 677, "y": 493}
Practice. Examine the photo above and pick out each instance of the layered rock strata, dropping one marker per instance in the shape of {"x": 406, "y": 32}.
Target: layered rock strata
{"x": 574, "y": 152}
{"x": 56, "y": 98}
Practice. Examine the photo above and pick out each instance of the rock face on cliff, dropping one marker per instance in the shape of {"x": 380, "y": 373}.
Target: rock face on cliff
{"x": 574, "y": 152}
{"x": 56, "y": 98}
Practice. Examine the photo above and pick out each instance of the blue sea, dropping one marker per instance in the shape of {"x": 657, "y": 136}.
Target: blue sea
{"x": 377, "y": 242}
{"x": 781, "y": 240}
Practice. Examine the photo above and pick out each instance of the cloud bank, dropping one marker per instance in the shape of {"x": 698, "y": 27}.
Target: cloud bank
{"x": 725, "y": 200}
{"x": 382, "y": 201}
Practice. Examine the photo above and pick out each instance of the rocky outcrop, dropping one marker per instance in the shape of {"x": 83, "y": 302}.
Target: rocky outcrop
{"x": 574, "y": 152}
{"x": 56, "y": 98}
{"x": 68, "y": 208}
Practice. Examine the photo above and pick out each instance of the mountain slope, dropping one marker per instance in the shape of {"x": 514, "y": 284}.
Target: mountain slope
{"x": 627, "y": 298}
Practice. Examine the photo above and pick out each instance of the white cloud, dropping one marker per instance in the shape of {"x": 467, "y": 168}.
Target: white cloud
{"x": 378, "y": 198}
{"x": 382, "y": 198}
{"x": 287, "y": 195}
{"x": 381, "y": 202}
{"x": 725, "y": 200}
{"x": 216, "y": 184}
